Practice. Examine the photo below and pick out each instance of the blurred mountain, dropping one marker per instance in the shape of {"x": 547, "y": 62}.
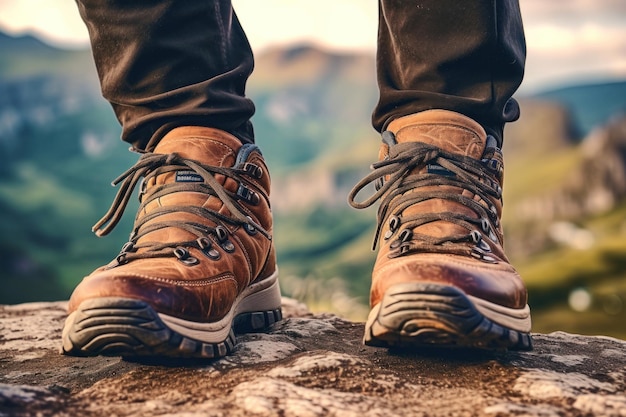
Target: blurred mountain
{"x": 26, "y": 56}
{"x": 589, "y": 104}
{"x": 565, "y": 193}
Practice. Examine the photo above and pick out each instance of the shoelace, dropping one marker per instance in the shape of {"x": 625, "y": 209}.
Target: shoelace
{"x": 151, "y": 165}
{"x": 398, "y": 185}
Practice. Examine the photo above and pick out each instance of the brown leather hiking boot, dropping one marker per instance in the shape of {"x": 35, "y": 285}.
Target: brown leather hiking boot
{"x": 200, "y": 262}
{"x": 441, "y": 277}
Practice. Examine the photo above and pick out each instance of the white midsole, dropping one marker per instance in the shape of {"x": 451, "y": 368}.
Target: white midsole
{"x": 260, "y": 296}
{"x": 511, "y": 318}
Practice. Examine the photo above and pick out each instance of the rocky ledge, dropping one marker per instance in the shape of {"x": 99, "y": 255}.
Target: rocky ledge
{"x": 308, "y": 365}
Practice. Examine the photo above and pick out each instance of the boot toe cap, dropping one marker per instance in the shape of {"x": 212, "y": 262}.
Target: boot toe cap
{"x": 200, "y": 300}
{"x": 496, "y": 283}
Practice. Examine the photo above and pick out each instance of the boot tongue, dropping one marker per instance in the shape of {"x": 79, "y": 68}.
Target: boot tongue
{"x": 206, "y": 145}
{"x": 450, "y": 131}
{"x": 202, "y": 144}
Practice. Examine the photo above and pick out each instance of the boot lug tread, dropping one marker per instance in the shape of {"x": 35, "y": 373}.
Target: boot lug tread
{"x": 127, "y": 327}
{"x": 436, "y": 315}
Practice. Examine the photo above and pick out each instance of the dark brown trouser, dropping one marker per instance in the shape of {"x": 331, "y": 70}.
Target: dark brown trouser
{"x": 166, "y": 63}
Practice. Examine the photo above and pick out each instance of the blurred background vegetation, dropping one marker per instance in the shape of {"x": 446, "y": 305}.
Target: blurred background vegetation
{"x": 565, "y": 188}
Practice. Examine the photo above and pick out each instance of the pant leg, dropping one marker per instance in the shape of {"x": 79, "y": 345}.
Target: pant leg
{"x": 167, "y": 63}
{"x": 461, "y": 55}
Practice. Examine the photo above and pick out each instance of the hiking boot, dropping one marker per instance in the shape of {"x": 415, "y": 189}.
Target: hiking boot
{"x": 200, "y": 262}
{"x": 441, "y": 277}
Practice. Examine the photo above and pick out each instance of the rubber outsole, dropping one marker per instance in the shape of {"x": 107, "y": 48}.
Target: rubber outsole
{"x": 117, "y": 326}
{"x": 428, "y": 315}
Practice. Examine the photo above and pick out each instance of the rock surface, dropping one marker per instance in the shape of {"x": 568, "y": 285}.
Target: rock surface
{"x": 307, "y": 366}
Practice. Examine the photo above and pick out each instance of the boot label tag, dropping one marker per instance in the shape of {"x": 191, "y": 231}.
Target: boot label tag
{"x": 439, "y": 170}
{"x": 188, "y": 176}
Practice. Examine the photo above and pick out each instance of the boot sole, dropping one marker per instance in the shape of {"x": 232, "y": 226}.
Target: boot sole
{"x": 117, "y": 326}
{"x": 418, "y": 315}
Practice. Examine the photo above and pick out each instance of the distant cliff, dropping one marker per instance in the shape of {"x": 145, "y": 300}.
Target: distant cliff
{"x": 596, "y": 185}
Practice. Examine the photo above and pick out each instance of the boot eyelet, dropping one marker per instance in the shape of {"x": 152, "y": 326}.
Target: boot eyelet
{"x": 121, "y": 259}
{"x": 222, "y": 237}
{"x": 221, "y": 233}
{"x": 228, "y": 246}
{"x": 212, "y": 254}
{"x": 185, "y": 257}
{"x": 204, "y": 243}
{"x": 484, "y": 246}
{"x": 247, "y": 195}
{"x": 405, "y": 235}
{"x": 181, "y": 253}
{"x": 253, "y": 170}
{"x": 480, "y": 255}
{"x": 207, "y": 248}
{"x": 394, "y": 223}
{"x": 190, "y": 261}
{"x": 494, "y": 165}
{"x": 475, "y": 236}
{"x": 488, "y": 230}
{"x": 405, "y": 248}
{"x": 251, "y": 230}
{"x": 143, "y": 187}
{"x": 128, "y": 247}
{"x": 389, "y": 138}
{"x": 484, "y": 224}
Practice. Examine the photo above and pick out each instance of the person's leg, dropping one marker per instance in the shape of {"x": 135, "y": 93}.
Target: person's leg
{"x": 168, "y": 63}
{"x": 464, "y": 56}
{"x": 446, "y": 71}
{"x": 200, "y": 261}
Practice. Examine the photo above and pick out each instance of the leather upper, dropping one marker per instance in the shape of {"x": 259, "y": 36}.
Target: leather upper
{"x": 193, "y": 271}
{"x": 429, "y": 252}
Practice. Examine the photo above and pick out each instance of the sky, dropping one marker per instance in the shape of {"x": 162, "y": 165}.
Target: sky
{"x": 568, "y": 40}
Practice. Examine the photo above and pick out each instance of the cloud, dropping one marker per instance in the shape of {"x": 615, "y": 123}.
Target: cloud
{"x": 568, "y": 41}
{"x": 57, "y": 21}
{"x": 339, "y": 24}
{"x": 572, "y": 10}
{"x": 574, "y": 40}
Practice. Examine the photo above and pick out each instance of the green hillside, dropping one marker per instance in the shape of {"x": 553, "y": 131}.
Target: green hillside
{"x": 607, "y": 99}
